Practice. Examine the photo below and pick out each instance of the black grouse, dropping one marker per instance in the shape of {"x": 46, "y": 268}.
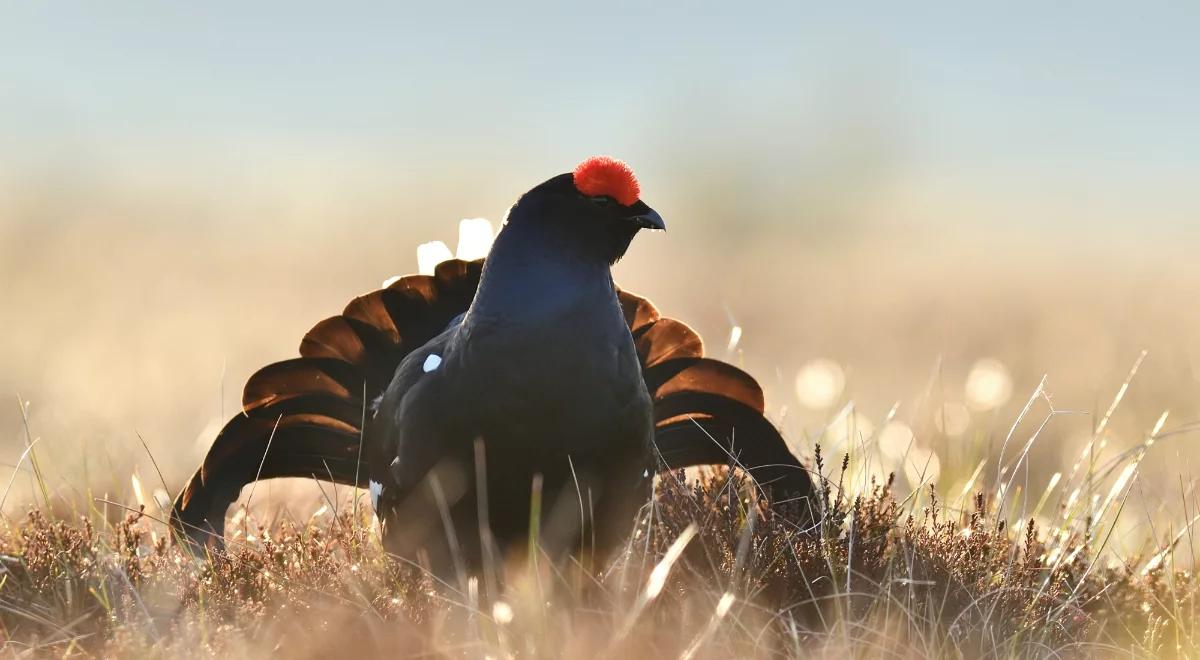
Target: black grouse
{"x": 568, "y": 393}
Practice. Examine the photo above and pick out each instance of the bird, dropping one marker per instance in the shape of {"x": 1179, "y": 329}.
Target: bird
{"x": 517, "y": 393}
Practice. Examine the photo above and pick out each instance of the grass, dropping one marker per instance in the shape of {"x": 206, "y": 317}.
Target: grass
{"x": 709, "y": 571}
{"x": 997, "y": 567}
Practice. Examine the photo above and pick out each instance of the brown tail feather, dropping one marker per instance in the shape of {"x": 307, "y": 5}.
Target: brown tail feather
{"x": 302, "y": 417}
{"x": 696, "y": 428}
{"x": 302, "y": 376}
{"x": 704, "y": 375}
{"x": 706, "y": 441}
{"x": 638, "y": 311}
{"x": 666, "y": 339}
{"x": 344, "y": 413}
{"x": 709, "y": 412}
{"x": 346, "y": 339}
{"x": 250, "y": 448}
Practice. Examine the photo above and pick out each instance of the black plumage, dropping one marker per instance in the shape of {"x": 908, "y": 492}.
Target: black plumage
{"x": 534, "y": 364}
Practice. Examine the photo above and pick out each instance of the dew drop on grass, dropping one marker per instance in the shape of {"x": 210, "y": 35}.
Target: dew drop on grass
{"x": 502, "y": 612}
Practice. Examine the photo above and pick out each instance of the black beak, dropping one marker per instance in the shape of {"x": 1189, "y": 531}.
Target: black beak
{"x": 646, "y": 217}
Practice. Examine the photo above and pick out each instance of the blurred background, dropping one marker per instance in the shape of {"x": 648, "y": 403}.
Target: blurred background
{"x": 911, "y": 214}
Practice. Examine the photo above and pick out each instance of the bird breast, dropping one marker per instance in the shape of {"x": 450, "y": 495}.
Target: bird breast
{"x": 576, "y": 381}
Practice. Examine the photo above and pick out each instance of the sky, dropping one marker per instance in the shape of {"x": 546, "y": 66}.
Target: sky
{"x": 1070, "y": 109}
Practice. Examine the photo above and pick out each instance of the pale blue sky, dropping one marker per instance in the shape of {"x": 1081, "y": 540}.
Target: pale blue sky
{"x": 1071, "y": 98}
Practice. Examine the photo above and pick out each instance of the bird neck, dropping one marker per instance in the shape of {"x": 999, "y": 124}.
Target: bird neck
{"x": 533, "y": 275}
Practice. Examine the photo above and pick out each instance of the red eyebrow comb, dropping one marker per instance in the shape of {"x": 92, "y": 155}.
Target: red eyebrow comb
{"x": 604, "y": 175}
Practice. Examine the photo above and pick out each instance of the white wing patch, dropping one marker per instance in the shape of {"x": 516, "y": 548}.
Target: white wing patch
{"x": 430, "y": 254}
{"x": 376, "y": 489}
{"x": 475, "y": 238}
{"x": 432, "y": 362}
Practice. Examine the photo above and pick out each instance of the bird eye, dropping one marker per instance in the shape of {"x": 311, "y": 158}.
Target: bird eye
{"x": 602, "y": 200}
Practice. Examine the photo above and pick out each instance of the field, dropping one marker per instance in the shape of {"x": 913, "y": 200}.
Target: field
{"x": 1006, "y": 451}
{"x": 707, "y": 573}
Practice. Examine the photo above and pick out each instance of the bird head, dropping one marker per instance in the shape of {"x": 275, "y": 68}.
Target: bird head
{"x": 594, "y": 211}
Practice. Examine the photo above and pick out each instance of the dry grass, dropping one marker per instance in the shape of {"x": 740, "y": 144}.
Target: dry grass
{"x": 882, "y": 577}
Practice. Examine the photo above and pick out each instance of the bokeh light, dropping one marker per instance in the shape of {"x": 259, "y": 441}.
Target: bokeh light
{"x": 988, "y": 386}
{"x": 819, "y": 383}
{"x": 895, "y": 439}
{"x": 952, "y": 419}
{"x": 922, "y": 465}
{"x": 851, "y": 427}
